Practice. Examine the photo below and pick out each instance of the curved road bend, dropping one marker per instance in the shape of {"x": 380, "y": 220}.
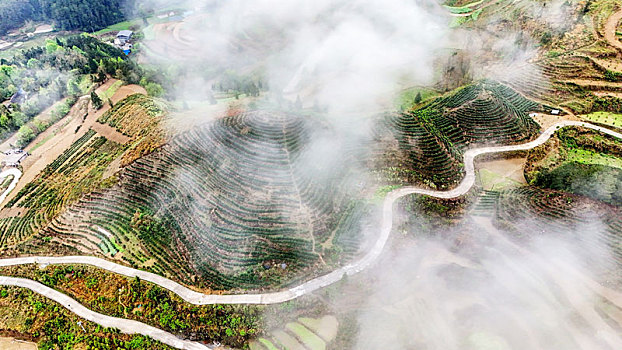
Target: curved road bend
{"x": 16, "y": 175}
{"x": 197, "y": 298}
{"x": 124, "y": 325}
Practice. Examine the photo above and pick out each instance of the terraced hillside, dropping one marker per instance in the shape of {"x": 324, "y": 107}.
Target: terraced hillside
{"x": 530, "y": 212}
{"x": 580, "y": 161}
{"x": 235, "y": 203}
{"x": 87, "y": 165}
{"x": 426, "y": 144}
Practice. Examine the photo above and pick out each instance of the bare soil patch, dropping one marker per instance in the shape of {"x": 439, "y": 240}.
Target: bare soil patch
{"x": 12, "y": 212}
{"x": 110, "y": 133}
{"x": 65, "y": 132}
{"x": 511, "y": 168}
{"x": 15, "y": 344}
{"x": 610, "y": 30}
{"x": 547, "y": 120}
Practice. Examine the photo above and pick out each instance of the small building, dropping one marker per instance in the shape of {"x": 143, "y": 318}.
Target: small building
{"x": 555, "y": 112}
{"x": 12, "y": 158}
{"x": 124, "y": 36}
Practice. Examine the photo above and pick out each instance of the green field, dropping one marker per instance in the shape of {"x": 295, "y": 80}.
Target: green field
{"x": 607, "y": 118}
{"x": 312, "y": 333}
{"x": 311, "y": 341}
{"x": 111, "y": 90}
{"x": 406, "y": 99}
{"x": 588, "y": 157}
{"x": 119, "y": 26}
{"x": 493, "y": 181}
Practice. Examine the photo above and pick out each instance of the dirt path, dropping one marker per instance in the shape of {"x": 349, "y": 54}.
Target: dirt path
{"x": 60, "y": 136}
{"x": 12, "y": 140}
{"x": 110, "y": 133}
{"x": 14, "y": 344}
{"x": 610, "y": 30}
{"x": 596, "y": 84}
{"x": 607, "y": 93}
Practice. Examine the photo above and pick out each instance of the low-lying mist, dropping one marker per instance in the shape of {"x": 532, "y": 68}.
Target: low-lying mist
{"x": 488, "y": 292}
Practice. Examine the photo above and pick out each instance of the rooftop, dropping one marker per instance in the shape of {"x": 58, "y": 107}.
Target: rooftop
{"x": 125, "y": 33}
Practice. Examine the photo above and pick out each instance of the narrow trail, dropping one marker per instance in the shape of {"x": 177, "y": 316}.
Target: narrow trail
{"x": 193, "y": 297}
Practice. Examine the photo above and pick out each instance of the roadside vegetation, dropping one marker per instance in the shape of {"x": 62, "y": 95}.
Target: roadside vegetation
{"x": 29, "y": 316}
{"x": 579, "y": 161}
{"x": 119, "y": 296}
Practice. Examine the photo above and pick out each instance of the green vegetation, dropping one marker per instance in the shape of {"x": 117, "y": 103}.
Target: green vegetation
{"x": 123, "y": 297}
{"x": 606, "y": 118}
{"x": 596, "y": 181}
{"x": 308, "y": 338}
{"x": 312, "y": 333}
{"x": 30, "y": 316}
{"x": 579, "y": 161}
{"x": 77, "y": 172}
{"x": 493, "y": 181}
{"x": 85, "y": 15}
{"x": 432, "y": 138}
{"x": 97, "y": 102}
{"x": 61, "y": 68}
{"x": 257, "y": 240}
{"x": 588, "y": 157}
{"x": 116, "y": 27}
{"x": 410, "y": 98}
{"x": 111, "y": 90}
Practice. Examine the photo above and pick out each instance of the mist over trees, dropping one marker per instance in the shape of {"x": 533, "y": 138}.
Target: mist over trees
{"x": 61, "y": 68}
{"x": 86, "y": 15}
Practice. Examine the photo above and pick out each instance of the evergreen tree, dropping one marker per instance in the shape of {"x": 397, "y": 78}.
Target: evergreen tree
{"x": 97, "y": 102}
{"x": 418, "y": 97}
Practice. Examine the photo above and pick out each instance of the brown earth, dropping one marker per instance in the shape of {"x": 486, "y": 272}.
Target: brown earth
{"x": 610, "y": 30}
{"x": 65, "y": 132}
{"x": 511, "y": 168}
{"x": 110, "y": 133}
{"x": 547, "y": 120}
{"x": 596, "y": 84}
{"x": 11, "y": 213}
{"x": 45, "y": 115}
{"x": 14, "y": 344}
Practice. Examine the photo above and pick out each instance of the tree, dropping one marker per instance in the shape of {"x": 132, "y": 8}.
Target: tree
{"x": 97, "y": 102}
{"x": 72, "y": 88}
{"x": 25, "y": 135}
{"x": 418, "y": 97}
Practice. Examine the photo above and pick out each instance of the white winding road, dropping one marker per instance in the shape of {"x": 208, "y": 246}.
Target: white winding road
{"x": 16, "y": 175}
{"x": 197, "y": 298}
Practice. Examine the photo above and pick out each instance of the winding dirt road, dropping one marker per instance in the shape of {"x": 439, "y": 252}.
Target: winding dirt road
{"x": 193, "y": 297}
